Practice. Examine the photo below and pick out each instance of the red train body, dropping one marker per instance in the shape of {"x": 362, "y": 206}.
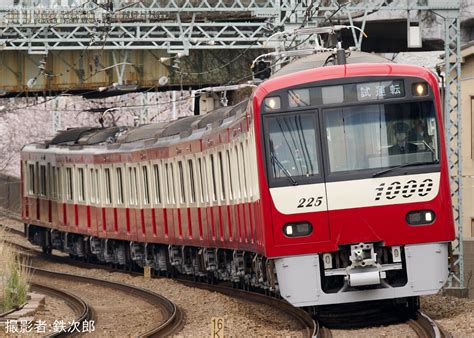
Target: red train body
{"x": 330, "y": 185}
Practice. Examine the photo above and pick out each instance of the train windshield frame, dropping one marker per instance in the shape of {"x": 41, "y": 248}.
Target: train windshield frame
{"x": 356, "y": 138}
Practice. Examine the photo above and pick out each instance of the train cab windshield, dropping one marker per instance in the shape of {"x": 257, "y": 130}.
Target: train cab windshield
{"x": 362, "y": 140}
{"x": 380, "y": 136}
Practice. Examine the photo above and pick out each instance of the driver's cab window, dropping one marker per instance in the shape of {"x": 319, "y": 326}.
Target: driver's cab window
{"x": 377, "y": 136}
{"x": 292, "y": 145}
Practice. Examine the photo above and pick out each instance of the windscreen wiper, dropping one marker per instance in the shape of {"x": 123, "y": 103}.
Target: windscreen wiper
{"x": 414, "y": 164}
{"x": 285, "y": 171}
{"x": 431, "y": 150}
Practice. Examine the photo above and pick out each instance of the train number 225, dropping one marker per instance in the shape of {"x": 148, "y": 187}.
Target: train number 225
{"x": 310, "y": 202}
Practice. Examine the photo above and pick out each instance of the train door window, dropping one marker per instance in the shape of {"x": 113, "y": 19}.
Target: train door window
{"x": 222, "y": 175}
{"x": 244, "y": 171}
{"x": 213, "y": 179}
{"x": 31, "y": 179}
{"x": 192, "y": 196}
{"x": 69, "y": 185}
{"x": 201, "y": 163}
{"x": 229, "y": 175}
{"x": 146, "y": 189}
{"x": 80, "y": 184}
{"x": 156, "y": 172}
{"x": 119, "y": 173}
{"x": 42, "y": 180}
{"x": 182, "y": 188}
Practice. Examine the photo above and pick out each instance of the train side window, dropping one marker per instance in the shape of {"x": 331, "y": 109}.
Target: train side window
{"x": 201, "y": 163}
{"x": 133, "y": 186}
{"x": 182, "y": 188}
{"x": 167, "y": 183}
{"x": 49, "y": 180}
{"x": 156, "y": 172}
{"x": 146, "y": 189}
{"x": 59, "y": 184}
{"x": 192, "y": 186}
{"x": 237, "y": 166}
{"x": 137, "y": 187}
{"x": 119, "y": 173}
{"x": 213, "y": 181}
{"x": 93, "y": 186}
{"x": 248, "y": 167}
{"x": 54, "y": 191}
{"x": 42, "y": 190}
{"x": 172, "y": 184}
{"x": 229, "y": 175}
{"x": 221, "y": 174}
{"x": 31, "y": 181}
{"x": 244, "y": 170}
{"x": 97, "y": 186}
{"x": 80, "y": 183}
{"x": 108, "y": 186}
{"x": 69, "y": 185}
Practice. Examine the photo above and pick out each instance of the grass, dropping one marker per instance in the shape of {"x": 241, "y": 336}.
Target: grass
{"x": 14, "y": 277}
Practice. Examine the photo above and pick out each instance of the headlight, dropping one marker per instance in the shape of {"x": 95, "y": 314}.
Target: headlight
{"x": 272, "y": 103}
{"x": 420, "y": 217}
{"x": 297, "y": 229}
{"x": 419, "y": 89}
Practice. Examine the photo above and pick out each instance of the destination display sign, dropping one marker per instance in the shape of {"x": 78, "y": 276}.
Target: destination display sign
{"x": 380, "y": 90}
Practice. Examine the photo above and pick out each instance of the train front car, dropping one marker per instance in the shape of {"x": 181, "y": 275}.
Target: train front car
{"x": 354, "y": 183}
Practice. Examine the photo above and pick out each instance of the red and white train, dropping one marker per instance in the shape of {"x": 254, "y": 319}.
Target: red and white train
{"x": 329, "y": 185}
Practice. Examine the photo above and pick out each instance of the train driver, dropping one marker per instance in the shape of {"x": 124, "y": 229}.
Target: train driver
{"x": 402, "y": 146}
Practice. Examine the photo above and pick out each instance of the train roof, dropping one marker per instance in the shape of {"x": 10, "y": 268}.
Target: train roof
{"x": 118, "y": 138}
{"x": 319, "y": 60}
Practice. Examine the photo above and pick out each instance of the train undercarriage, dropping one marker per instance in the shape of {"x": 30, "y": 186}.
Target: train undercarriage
{"x": 247, "y": 269}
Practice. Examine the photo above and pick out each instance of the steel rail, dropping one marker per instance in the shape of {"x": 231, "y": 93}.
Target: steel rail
{"x": 304, "y": 318}
{"x": 83, "y": 311}
{"x": 424, "y": 326}
{"x": 173, "y": 316}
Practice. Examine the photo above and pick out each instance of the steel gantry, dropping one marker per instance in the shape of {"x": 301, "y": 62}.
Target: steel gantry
{"x": 178, "y": 26}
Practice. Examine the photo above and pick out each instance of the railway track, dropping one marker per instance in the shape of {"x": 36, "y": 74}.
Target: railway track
{"x": 173, "y": 317}
{"x": 311, "y": 327}
{"x": 422, "y": 324}
{"x": 425, "y": 327}
{"x": 81, "y": 309}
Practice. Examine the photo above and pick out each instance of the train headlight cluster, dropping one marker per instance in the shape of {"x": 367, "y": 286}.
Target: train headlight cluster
{"x": 419, "y": 89}
{"x": 420, "y": 217}
{"x": 297, "y": 229}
